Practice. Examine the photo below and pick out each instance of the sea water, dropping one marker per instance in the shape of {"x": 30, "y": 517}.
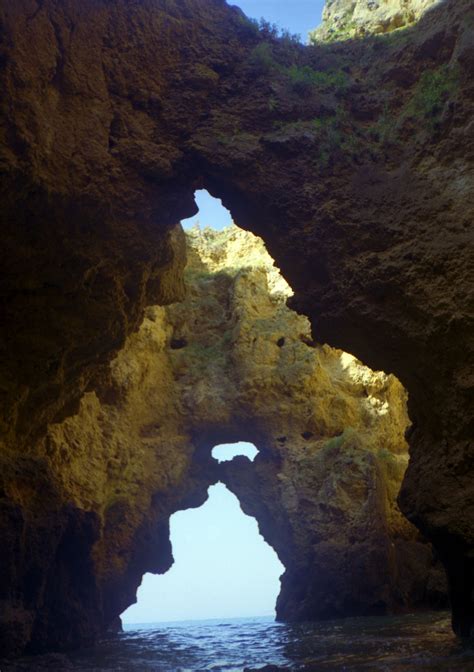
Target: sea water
{"x": 409, "y": 643}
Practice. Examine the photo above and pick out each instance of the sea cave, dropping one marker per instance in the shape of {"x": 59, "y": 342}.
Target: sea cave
{"x": 329, "y": 323}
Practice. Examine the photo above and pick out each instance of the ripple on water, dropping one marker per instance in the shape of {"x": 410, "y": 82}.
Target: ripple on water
{"x": 412, "y": 643}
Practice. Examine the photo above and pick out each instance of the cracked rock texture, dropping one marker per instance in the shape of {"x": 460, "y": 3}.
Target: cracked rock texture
{"x": 352, "y": 160}
{"x": 347, "y": 19}
{"x": 231, "y": 362}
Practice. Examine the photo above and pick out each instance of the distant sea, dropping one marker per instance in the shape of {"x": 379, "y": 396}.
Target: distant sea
{"x": 410, "y": 643}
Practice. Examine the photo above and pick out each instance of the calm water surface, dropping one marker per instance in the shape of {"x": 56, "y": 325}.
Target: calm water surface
{"x": 406, "y": 643}
{"x": 399, "y": 644}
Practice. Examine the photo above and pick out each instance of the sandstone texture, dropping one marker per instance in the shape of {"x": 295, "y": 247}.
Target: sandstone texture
{"x": 353, "y": 161}
{"x": 347, "y": 19}
{"x": 231, "y": 362}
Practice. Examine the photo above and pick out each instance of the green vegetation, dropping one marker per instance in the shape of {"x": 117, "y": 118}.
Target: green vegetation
{"x": 386, "y": 455}
{"x": 250, "y": 25}
{"x": 425, "y": 106}
{"x": 329, "y": 134}
{"x": 193, "y": 275}
{"x": 434, "y": 88}
{"x": 301, "y": 78}
{"x": 268, "y": 30}
{"x": 272, "y": 103}
{"x": 381, "y": 131}
{"x": 262, "y": 60}
{"x": 271, "y": 31}
{"x": 304, "y": 78}
{"x": 337, "y": 442}
{"x": 345, "y": 32}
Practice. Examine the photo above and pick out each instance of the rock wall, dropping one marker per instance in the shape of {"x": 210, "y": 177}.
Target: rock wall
{"x": 230, "y": 362}
{"x": 353, "y": 161}
{"x": 347, "y": 19}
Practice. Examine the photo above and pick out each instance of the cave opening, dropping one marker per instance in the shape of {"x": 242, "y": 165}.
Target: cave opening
{"x": 225, "y": 452}
{"x": 211, "y": 213}
{"x": 223, "y": 569}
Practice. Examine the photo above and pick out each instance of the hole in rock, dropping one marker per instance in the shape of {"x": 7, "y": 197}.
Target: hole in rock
{"x": 227, "y": 451}
{"x": 178, "y": 343}
{"x": 211, "y": 213}
{"x": 223, "y": 568}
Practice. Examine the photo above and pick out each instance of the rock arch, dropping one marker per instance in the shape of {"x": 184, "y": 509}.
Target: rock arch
{"x": 330, "y": 434}
{"x": 358, "y": 177}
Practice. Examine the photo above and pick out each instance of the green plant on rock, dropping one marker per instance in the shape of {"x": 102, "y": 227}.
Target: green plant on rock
{"x": 346, "y": 31}
{"x": 434, "y": 88}
{"x": 289, "y": 38}
{"x": 304, "y": 78}
{"x": 262, "y": 60}
{"x": 382, "y": 130}
{"x": 272, "y": 104}
{"x": 327, "y": 134}
{"x": 385, "y": 455}
{"x": 336, "y": 442}
{"x": 250, "y": 25}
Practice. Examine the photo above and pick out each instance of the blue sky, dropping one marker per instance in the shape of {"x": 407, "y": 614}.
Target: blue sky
{"x": 211, "y": 212}
{"x": 223, "y": 568}
{"x": 298, "y": 16}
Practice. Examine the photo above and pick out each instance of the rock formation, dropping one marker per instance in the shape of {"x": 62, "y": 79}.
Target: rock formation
{"x": 231, "y": 362}
{"x": 345, "y": 19}
{"x": 354, "y": 163}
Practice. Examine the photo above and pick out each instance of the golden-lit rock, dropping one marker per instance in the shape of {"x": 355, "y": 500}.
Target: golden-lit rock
{"x": 233, "y": 363}
{"x": 346, "y": 19}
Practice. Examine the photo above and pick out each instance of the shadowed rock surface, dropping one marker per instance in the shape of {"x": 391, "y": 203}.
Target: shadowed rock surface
{"x": 352, "y": 161}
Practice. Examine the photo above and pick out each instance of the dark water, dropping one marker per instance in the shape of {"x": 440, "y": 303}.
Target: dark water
{"x": 399, "y": 644}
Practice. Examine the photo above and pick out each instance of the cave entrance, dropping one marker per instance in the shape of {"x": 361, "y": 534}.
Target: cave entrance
{"x": 211, "y": 213}
{"x": 225, "y": 452}
{"x": 222, "y": 566}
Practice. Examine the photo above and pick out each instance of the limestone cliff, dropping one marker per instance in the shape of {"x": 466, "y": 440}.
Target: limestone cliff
{"x": 352, "y": 160}
{"x": 346, "y": 19}
{"x": 231, "y": 362}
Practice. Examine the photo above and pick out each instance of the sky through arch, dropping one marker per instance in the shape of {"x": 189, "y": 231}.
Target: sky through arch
{"x": 223, "y": 568}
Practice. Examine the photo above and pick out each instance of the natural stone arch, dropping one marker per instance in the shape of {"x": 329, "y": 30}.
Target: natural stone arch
{"x": 375, "y": 240}
{"x": 329, "y": 433}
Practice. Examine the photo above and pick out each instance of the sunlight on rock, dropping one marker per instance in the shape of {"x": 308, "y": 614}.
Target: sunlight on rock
{"x": 349, "y": 19}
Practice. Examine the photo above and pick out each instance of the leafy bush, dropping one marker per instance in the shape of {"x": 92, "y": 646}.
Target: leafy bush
{"x": 305, "y": 77}
{"x": 432, "y": 91}
{"x": 250, "y": 25}
{"x": 261, "y": 58}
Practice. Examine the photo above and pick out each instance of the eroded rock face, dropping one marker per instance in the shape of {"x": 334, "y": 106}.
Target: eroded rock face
{"x": 353, "y": 162}
{"x": 345, "y": 19}
{"x": 231, "y": 362}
